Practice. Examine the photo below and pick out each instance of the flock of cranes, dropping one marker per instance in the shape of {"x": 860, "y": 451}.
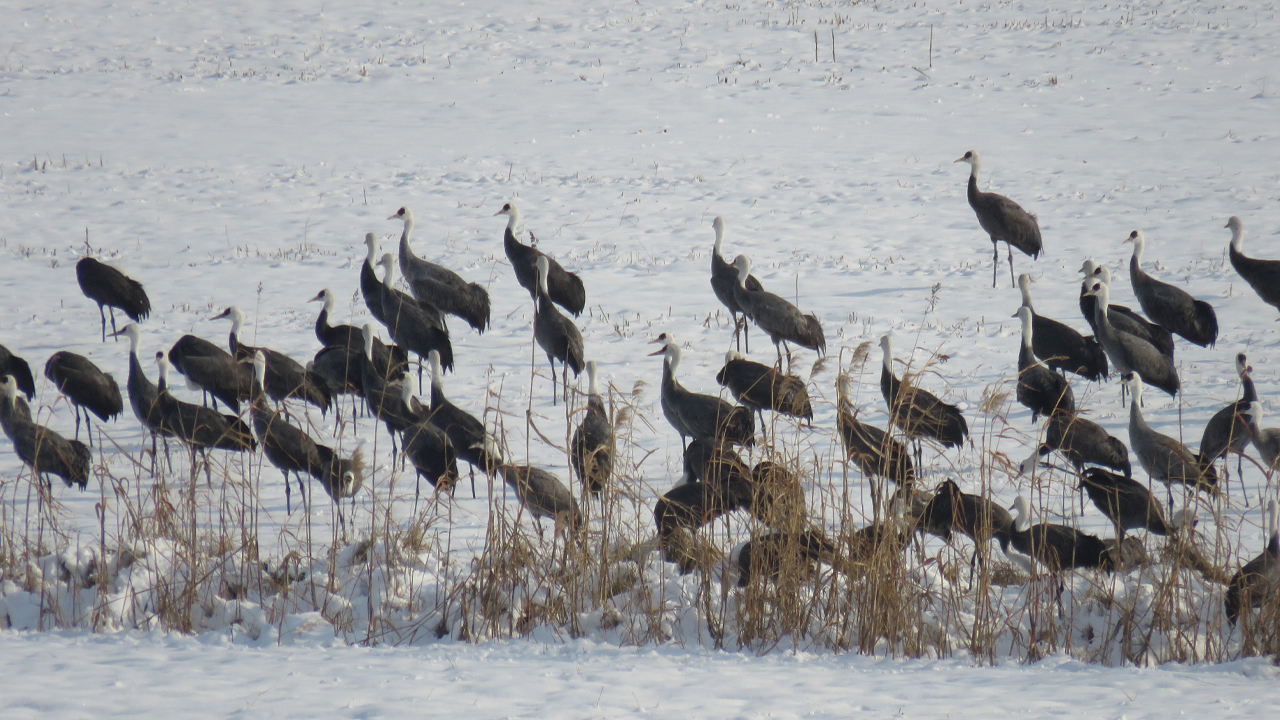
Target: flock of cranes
{"x": 434, "y": 436}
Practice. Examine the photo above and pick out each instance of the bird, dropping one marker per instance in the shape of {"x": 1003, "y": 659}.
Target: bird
{"x": 1228, "y": 430}
{"x": 371, "y": 288}
{"x": 951, "y": 510}
{"x": 1040, "y": 390}
{"x": 340, "y": 361}
{"x": 417, "y": 327}
{"x": 556, "y": 334}
{"x": 724, "y": 278}
{"x": 875, "y": 452}
{"x": 285, "y": 378}
{"x": 428, "y": 448}
{"x": 1262, "y": 275}
{"x": 109, "y": 287}
{"x": 591, "y": 447}
{"x": 777, "y": 497}
{"x": 1164, "y": 458}
{"x": 384, "y": 396}
{"x": 438, "y": 285}
{"x": 917, "y": 412}
{"x": 15, "y": 366}
{"x": 766, "y": 556}
{"x": 695, "y": 415}
{"x": 1084, "y": 442}
{"x": 471, "y": 442}
{"x": 42, "y": 449}
{"x": 1059, "y": 345}
{"x": 341, "y": 477}
{"x": 1131, "y": 354}
{"x": 761, "y": 387}
{"x": 689, "y": 506}
{"x": 290, "y": 449}
{"x": 1002, "y": 219}
{"x": 543, "y": 495}
{"x": 200, "y": 427}
{"x": 1122, "y": 318}
{"x": 1258, "y": 582}
{"x": 1266, "y": 440}
{"x": 1129, "y": 504}
{"x": 715, "y": 463}
{"x": 781, "y": 320}
{"x": 564, "y": 288}
{"x": 86, "y": 386}
{"x": 143, "y": 394}
{"x": 1057, "y": 547}
{"x": 1168, "y": 306}
{"x": 213, "y": 370}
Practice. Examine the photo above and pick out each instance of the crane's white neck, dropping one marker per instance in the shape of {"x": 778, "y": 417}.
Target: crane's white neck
{"x": 1135, "y": 400}
{"x": 1024, "y": 287}
{"x": 1103, "y": 296}
{"x": 406, "y": 393}
{"x": 9, "y": 388}
{"x": 389, "y": 269}
{"x": 1021, "y": 517}
{"x": 371, "y": 243}
{"x": 135, "y": 338}
{"x": 743, "y": 265}
{"x": 237, "y": 321}
{"x": 718, "y": 226}
{"x": 1024, "y": 314}
{"x": 260, "y": 368}
{"x": 544, "y": 270}
{"x": 368, "y": 342}
{"x": 886, "y": 348}
{"x": 328, "y": 302}
{"x": 408, "y": 226}
{"x": 975, "y": 164}
{"x": 513, "y": 219}
{"x": 1139, "y": 245}
{"x": 163, "y": 362}
{"x": 1237, "y": 235}
{"x": 673, "y": 357}
{"x": 593, "y": 388}
{"x": 437, "y": 376}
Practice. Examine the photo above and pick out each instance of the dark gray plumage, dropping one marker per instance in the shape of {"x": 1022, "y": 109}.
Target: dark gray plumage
{"x": 564, "y": 288}
{"x": 1122, "y": 318}
{"x": 415, "y": 326}
{"x": 542, "y": 494}
{"x": 1084, "y": 442}
{"x": 1040, "y": 389}
{"x": 1258, "y": 582}
{"x": 875, "y": 452}
{"x": 1164, "y": 458}
{"x": 143, "y": 393}
{"x": 438, "y": 285}
{"x": 286, "y": 377}
{"x": 781, "y": 320}
{"x": 724, "y": 278}
{"x": 1060, "y": 346}
{"x": 289, "y": 449}
{"x": 384, "y": 395}
{"x": 428, "y": 448}
{"x": 765, "y": 556}
{"x": 213, "y": 370}
{"x": 916, "y": 411}
{"x": 1131, "y": 354}
{"x": 1171, "y": 307}
{"x": 1228, "y": 430}
{"x": 1262, "y": 275}
{"x": 15, "y": 366}
{"x": 471, "y": 441}
{"x": 1057, "y": 547}
{"x": 1129, "y": 504}
{"x": 86, "y": 386}
{"x": 200, "y": 427}
{"x": 695, "y": 415}
{"x": 109, "y": 287}
{"x": 761, "y": 387}
{"x": 42, "y": 449}
{"x": 591, "y": 447}
{"x": 556, "y": 334}
{"x": 1002, "y": 219}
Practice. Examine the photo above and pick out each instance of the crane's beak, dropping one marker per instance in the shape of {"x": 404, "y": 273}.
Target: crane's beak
{"x": 1014, "y": 315}
{"x": 499, "y": 213}
{"x": 117, "y": 333}
{"x": 1128, "y": 239}
{"x": 957, "y": 160}
{"x": 394, "y": 217}
{"x": 319, "y": 296}
{"x": 223, "y": 314}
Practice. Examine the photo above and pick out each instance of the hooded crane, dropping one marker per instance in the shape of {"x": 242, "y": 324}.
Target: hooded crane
{"x": 338, "y": 363}
{"x": 384, "y": 396}
{"x": 109, "y": 287}
{"x": 951, "y": 510}
{"x": 1170, "y": 307}
{"x": 340, "y": 477}
{"x": 1121, "y": 317}
{"x": 438, "y": 285}
{"x": 543, "y": 495}
{"x": 1262, "y": 275}
{"x": 1057, "y": 547}
{"x": 11, "y": 364}
{"x": 1258, "y": 582}
{"x": 724, "y": 278}
{"x": 1085, "y": 442}
{"x": 556, "y": 334}
{"x": 1266, "y": 440}
{"x": 564, "y": 288}
{"x": 1129, "y": 504}
{"x": 875, "y": 452}
{"x": 143, "y": 394}
{"x": 200, "y": 427}
{"x": 212, "y": 370}
{"x": 777, "y": 317}
{"x": 1131, "y": 354}
{"x": 917, "y": 411}
{"x": 86, "y": 386}
{"x": 285, "y": 377}
{"x": 470, "y": 440}
{"x": 765, "y": 556}
{"x": 1060, "y": 346}
{"x": 761, "y": 387}
{"x": 1164, "y": 458}
{"x": 1228, "y": 430}
{"x": 42, "y": 449}
{"x": 1040, "y": 390}
{"x": 428, "y": 448}
{"x": 697, "y": 416}
{"x": 715, "y": 463}
{"x": 287, "y": 447}
{"x": 591, "y": 447}
{"x": 688, "y": 507}
{"x": 370, "y": 287}
{"x": 417, "y": 327}
{"x": 1002, "y": 219}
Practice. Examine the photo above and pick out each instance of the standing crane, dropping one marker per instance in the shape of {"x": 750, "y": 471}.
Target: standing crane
{"x": 724, "y": 278}
{"x": 1131, "y": 354}
{"x": 86, "y": 386}
{"x": 438, "y": 285}
{"x": 591, "y": 447}
{"x": 1002, "y": 219}
{"x": 1040, "y": 390}
{"x": 1170, "y": 307}
{"x": 564, "y": 288}
{"x": 109, "y": 287}
{"x": 1164, "y": 458}
{"x": 556, "y": 334}
{"x": 42, "y": 449}
{"x": 781, "y": 320}
{"x": 143, "y": 395}
{"x": 1121, "y": 317}
{"x": 761, "y": 387}
{"x": 470, "y": 440}
{"x": 917, "y": 411}
{"x": 1060, "y": 346}
{"x": 698, "y": 416}
{"x": 285, "y": 377}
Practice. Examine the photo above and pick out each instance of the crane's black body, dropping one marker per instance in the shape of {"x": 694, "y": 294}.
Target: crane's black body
{"x": 1002, "y": 219}
{"x": 18, "y": 368}
{"x": 591, "y": 447}
{"x": 1060, "y": 346}
{"x": 1127, "y": 502}
{"x": 1262, "y": 275}
{"x": 699, "y": 416}
{"x": 111, "y": 288}
{"x": 556, "y": 334}
{"x": 42, "y": 449}
{"x": 724, "y": 280}
{"x": 918, "y": 412}
{"x": 1171, "y": 307}
{"x": 86, "y": 386}
{"x": 761, "y": 387}
{"x": 564, "y": 288}
{"x": 439, "y": 286}
{"x": 1085, "y": 442}
{"x": 1040, "y": 390}
{"x": 213, "y": 369}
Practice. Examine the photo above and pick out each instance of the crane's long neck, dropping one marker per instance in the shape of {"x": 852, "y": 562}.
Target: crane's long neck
{"x": 1026, "y": 328}
{"x": 404, "y": 236}
{"x": 1237, "y": 239}
{"x": 673, "y": 359}
{"x": 237, "y": 324}
{"x": 1102, "y": 300}
{"x": 1021, "y": 523}
{"x": 437, "y": 375}
{"x": 259, "y": 374}
{"x": 1024, "y": 286}
{"x": 135, "y": 340}
{"x": 974, "y": 165}
{"x": 744, "y": 272}
{"x": 593, "y": 388}
{"x": 887, "y": 356}
{"x": 1136, "y": 421}
{"x": 719, "y": 238}
{"x": 371, "y": 243}
{"x": 368, "y": 344}
{"x": 163, "y": 362}
{"x": 389, "y": 277}
{"x": 513, "y": 220}
{"x": 1139, "y": 245}
{"x": 327, "y": 309}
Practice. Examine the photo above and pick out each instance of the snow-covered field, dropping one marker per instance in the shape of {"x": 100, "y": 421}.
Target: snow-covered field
{"x": 236, "y": 154}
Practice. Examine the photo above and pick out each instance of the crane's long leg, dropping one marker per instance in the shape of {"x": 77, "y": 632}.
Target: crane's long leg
{"x": 553, "y": 379}
{"x": 995, "y": 259}
{"x": 88, "y": 427}
{"x": 1011, "y": 278}
{"x": 77, "y": 407}
{"x": 103, "y": 315}
{"x": 113, "y": 324}
{"x": 564, "y": 381}
{"x": 746, "y": 332}
{"x": 288, "y": 494}
{"x": 737, "y": 330}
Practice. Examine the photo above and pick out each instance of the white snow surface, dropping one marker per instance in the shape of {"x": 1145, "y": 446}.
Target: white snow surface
{"x": 237, "y": 153}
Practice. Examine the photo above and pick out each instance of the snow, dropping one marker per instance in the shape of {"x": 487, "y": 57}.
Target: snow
{"x": 236, "y": 153}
